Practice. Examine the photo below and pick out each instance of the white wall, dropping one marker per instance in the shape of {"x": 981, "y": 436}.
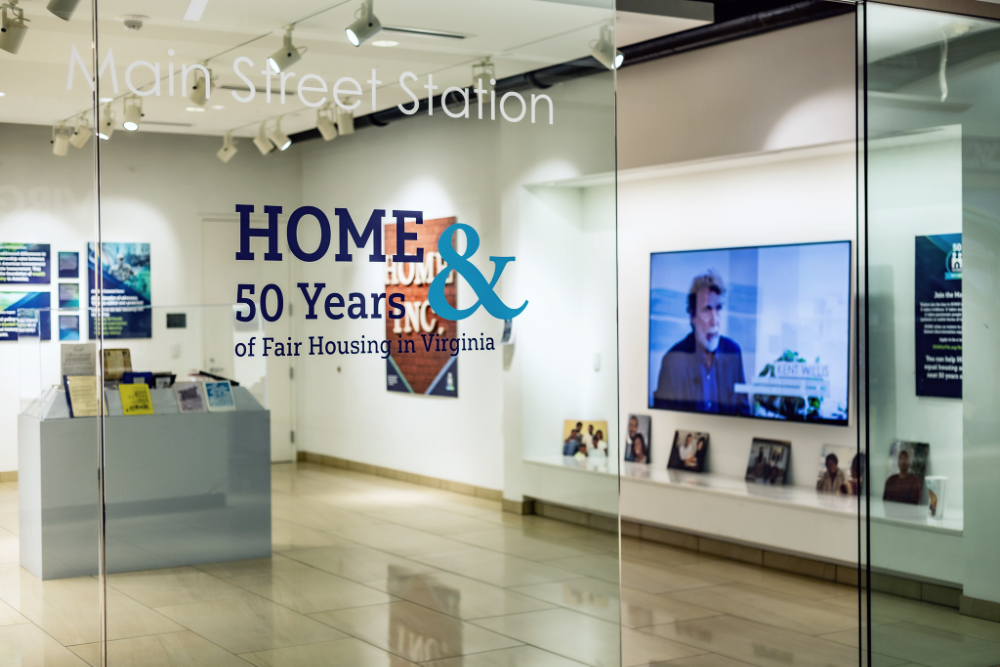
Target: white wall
{"x": 795, "y": 197}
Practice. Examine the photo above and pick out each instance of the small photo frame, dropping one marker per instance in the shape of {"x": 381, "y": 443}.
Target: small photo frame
{"x": 637, "y": 439}
{"x": 768, "y": 463}
{"x": 689, "y": 451}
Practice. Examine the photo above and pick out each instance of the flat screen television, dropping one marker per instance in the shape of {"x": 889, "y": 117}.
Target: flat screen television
{"x": 759, "y": 332}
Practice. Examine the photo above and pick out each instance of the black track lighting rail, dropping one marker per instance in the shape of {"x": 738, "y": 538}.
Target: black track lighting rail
{"x": 653, "y": 49}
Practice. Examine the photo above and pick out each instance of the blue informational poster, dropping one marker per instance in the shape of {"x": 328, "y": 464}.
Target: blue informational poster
{"x": 69, "y": 327}
{"x": 69, "y": 265}
{"x": 13, "y": 302}
{"x": 25, "y": 263}
{"x": 126, "y": 290}
{"x": 938, "y": 315}
{"x": 69, "y": 295}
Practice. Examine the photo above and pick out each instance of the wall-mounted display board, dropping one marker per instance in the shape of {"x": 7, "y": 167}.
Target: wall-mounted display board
{"x": 11, "y": 325}
{"x": 938, "y": 317}
{"x": 25, "y": 263}
{"x": 127, "y": 290}
{"x": 421, "y": 358}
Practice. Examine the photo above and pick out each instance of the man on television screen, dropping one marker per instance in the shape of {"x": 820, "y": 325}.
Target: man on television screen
{"x": 700, "y": 372}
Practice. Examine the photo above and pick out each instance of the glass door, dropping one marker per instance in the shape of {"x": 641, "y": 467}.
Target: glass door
{"x": 932, "y": 197}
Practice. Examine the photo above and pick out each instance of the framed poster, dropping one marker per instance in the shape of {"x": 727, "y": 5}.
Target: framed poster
{"x": 69, "y": 265}
{"x": 69, "y": 327}
{"x": 418, "y": 362}
{"x": 69, "y": 296}
{"x": 938, "y": 316}
{"x": 13, "y": 302}
{"x": 125, "y": 272}
{"x": 25, "y": 263}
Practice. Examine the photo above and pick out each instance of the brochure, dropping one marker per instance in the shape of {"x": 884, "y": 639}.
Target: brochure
{"x": 136, "y": 399}
{"x": 219, "y": 396}
{"x": 81, "y": 395}
{"x": 189, "y": 397}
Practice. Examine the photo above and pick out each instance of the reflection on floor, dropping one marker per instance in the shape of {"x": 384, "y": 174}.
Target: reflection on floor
{"x": 373, "y": 572}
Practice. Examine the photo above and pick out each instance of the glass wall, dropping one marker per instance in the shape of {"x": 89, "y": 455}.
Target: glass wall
{"x": 931, "y": 286}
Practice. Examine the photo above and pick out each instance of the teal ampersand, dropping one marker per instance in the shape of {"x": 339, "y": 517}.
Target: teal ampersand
{"x": 460, "y": 263}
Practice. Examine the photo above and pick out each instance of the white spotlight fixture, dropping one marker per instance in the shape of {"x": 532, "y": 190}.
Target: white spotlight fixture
{"x": 133, "y": 113}
{"x": 261, "y": 141}
{"x": 200, "y": 90}
{"x": 63, "y": 8}
{"x": 12, "y": 28}
{"x": 366, "y": 26}
{"x": 81, "y": 134}
{"x": 324, "y": 123}
{"x": 604, "y": 48}
{"x": 345, "y": 122}
{"x": 279, "y": 138}
{"x": 484, "y": 76}
{"x": 287, "y": 55}
{"x": 228, "y": 149}
{"x": 60, "y": 140}
{"x": 107, "y": 125}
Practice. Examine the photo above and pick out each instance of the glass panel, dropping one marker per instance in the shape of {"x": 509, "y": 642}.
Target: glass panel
{"x": 50, "y": 596}
{"x": 932, "y": 199}
{"x": 350, "y": 465}
{"x": 737, "y": 235}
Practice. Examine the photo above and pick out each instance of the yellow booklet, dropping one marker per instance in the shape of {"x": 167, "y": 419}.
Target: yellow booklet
{"x": 136, "y": 399}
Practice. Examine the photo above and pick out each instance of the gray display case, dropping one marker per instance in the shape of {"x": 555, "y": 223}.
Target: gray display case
{"x": 181, "y": 489}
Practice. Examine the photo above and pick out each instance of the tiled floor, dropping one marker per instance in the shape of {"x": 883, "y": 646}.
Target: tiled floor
{"x": 371, "y": 572}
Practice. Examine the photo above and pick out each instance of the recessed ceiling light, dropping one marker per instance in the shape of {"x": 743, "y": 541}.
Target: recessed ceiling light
{"x": 218, "y": 106}
{"x": 105, "y": 100}
{"x": 195, "y": 109}
{"x": 2, "y": 94}
{"x": 385, "y": 43}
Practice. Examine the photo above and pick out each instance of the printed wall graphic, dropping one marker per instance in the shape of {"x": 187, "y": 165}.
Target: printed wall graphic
{"x": 69, "y": 265}
{"x": 125, "y": 268}
{"x": 12, "y": 302}
{"x": 938, "y": 317}
{"x": 69, "y": 295}
{"x": 69, "y": 327}
{"x": 25, "y": 263}
{"x": 432, "y": 366}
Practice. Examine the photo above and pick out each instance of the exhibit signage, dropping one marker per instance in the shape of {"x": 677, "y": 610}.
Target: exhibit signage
{"x": 125, "y": 290}
{"x": 938, "y": 315}
{"x": 25, "y": 263}
{"x": 25, "y": 313}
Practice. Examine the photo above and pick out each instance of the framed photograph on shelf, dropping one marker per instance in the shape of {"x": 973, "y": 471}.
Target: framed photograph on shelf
{"x": 689, "y": 451}
{"x": 768, "y": 463}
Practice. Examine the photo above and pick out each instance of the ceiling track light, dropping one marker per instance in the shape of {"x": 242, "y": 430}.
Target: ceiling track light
{"x": 201, "y": 90}
{"x": 107, "y": 125}
{"x": 325, "y": 124}
{"x": 81, "y": 134}
{"x": 228, "y": 149}
{"x": 279, "y": 138}
{"x": 12, "y": 27}
{"x": 261, "y": 141}
{"x": 60, "y": 139}
{"x": 366, "y": 26}
{"x": 133, "y": 113}
{"x": 484, "y": 76}
{"x": 287, "y": 55}
{"x": 604, "y": 50}
{"x": 63, "y": 8}
{"x": 345, "y": 122}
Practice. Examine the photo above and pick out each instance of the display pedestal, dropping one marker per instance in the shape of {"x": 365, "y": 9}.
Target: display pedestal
{"x": 181, "y": 489}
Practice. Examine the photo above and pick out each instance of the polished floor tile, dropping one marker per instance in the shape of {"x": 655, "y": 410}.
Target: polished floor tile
{"x": 288, "y": 536}
{"x": 172, "y": 586}
{"x": 770, "y": 580}
{"x": 455, "y": 595}
{"x": 515, "y": 543}
{"x": 663, "y": 554}
{"x": 925, "y": 613}
{"x": 610, "y": 602}
{"x": 784, "y": 611}
{"x": 398, "y": 540}
{"x": 413, "y": 632}
{"x": 338, "y": 653}
{"x": 10, "y": 616}
{"x": 9, "y": 547}
{"x": 75, "y": 618}
{"x": 26, "y": 645}
{"x": 307, "y": 590}
{"x": 520, "y": 656}
{"x": 653, "y": 578}
{"x": 174, "y": 649}
{"x": 431, "y": 520}
{"x": 17, "y": 584}
{"x": 927, "y": 645}
{"x": 358, "y": 563}
{"x": 495, "y": 568}
{"x": 249, "y": 623}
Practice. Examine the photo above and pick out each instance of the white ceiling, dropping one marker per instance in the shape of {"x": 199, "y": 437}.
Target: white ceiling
{"x": 893, "y": 30}
{"x": 519, "y": 35}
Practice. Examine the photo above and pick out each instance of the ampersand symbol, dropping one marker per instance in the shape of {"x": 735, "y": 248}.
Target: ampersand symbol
{"x": 459, "y": 263}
